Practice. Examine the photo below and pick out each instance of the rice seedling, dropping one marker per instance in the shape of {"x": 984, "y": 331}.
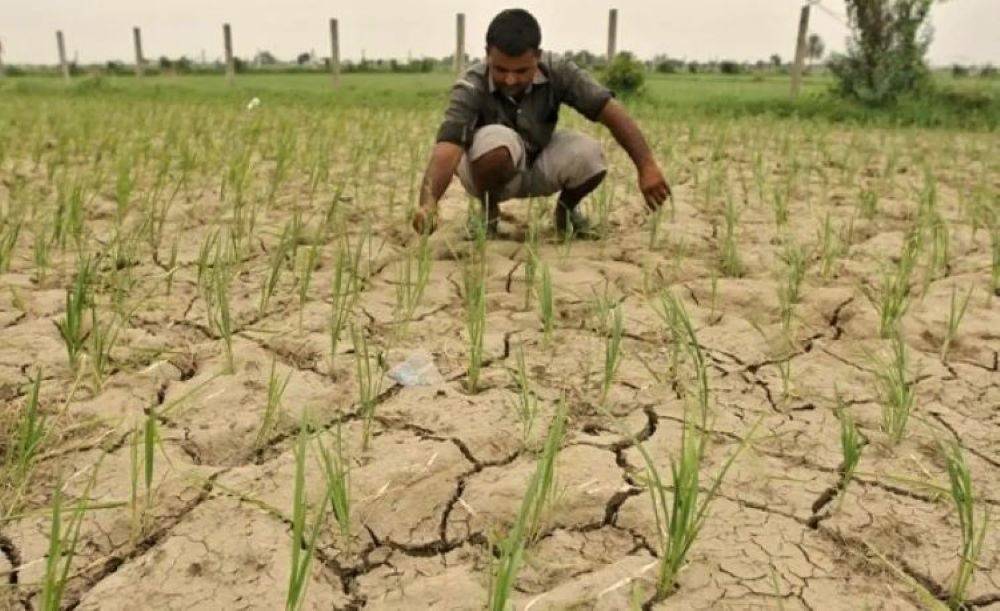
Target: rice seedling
{"x": 995, "y": 249}
{"x": 221, "y": 317}
{"x": 474, "y": 277}
{"x": 509, "y": 552}
{"x": 895, "y": 392}
{"x": 171, "y": 268}
{"x": 306, "y": 269}
{"x": 102, "y": 339}
{"x": 71, "y": 327}
{"x": 275, "y": 390}
{"x": 337, "y": 471}
{"x": 730, "y": 262}
{"x": 779, "y": 203}
{"x": 790, "y": 290}
{"x": 851, "y": 445}
{"x": 30, "y": 433}
{"x": 276, "y": 264}
{"x": 654, "y": 222}
{"x": 891, "y": 297}
{"x": 526, "y": 404}
{"x": 973, "y": 531}
{"x": 9, "y": 232}
{"x": 303, "y": 542}
{"x": 345, "y": 291}
{"x": 955, "y": 314}
{"x": 868, "y": 202}
{"x": 369, "y": 383}
{"x": 546, "y": 304}
{"x": 612, "y": 354}
{"x": 411, "y": 281}
{"x": 830, "y": 247}
{"x": 62, "y": 549}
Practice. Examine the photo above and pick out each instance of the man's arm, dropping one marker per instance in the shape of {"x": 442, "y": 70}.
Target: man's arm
{"x": 652, "y": 184}
{"x": 445, "y": 157}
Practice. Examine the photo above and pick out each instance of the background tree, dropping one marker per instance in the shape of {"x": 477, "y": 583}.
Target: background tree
{"x": 815, "y": 47}
{"x": 885, "y": 54}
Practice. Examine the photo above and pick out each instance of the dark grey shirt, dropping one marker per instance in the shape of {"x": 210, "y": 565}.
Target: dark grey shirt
{"x": 476, "y": 102}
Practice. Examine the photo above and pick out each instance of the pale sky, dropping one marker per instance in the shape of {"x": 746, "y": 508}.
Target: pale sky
{"x": 966, "y": 31}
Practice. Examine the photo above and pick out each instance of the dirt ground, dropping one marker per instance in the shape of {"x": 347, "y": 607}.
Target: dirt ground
{"x": 447, "y": 469}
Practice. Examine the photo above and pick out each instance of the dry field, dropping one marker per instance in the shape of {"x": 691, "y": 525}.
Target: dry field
{"x": 780, "y": 391}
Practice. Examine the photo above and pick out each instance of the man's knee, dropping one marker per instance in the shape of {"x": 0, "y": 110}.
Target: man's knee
{"x": 493, "y": 169}
{"x": 588, "y": 164}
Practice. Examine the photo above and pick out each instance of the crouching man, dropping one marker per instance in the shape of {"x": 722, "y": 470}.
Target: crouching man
{"x": 499, "y": 133}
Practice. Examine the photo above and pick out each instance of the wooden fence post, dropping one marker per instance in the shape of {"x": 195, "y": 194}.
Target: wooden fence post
{"x": 460, "y": 43}
{"x": 62, "y": 54}
{"x": 612, "y": 34}
{"x": 139, "y": 62}
{"x": 227, "y": 38}
{"x": 800, "y": 51}
{"x": 334, "y": 52}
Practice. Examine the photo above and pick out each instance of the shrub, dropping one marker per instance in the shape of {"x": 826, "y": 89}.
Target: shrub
{"x": 625, "y": 74}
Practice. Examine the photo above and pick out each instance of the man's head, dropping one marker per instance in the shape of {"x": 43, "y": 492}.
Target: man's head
{"x": 513, "y": 46}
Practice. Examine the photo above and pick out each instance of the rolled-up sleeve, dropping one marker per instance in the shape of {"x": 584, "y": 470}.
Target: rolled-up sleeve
{"x": 581, "y": 91}
{"x": 460, "y": 116}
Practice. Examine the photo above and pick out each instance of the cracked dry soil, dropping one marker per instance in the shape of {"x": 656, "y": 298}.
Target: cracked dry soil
{"x": 447, "y": 469}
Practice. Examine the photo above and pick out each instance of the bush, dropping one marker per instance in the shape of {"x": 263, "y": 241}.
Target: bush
{"x": 730, "y": 67}
{"x": 625, "y": 75}
{"x": 988, "y": 71}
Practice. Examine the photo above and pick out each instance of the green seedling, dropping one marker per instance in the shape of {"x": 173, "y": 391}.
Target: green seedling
{"x": 369, "y": 383}
{"x": 413, "y": 274}
{"x": 475, "y": 320}
{"x": 973, "y": 531}
{"x": 527, "y": 525}
{"x": 337, "y": 471}
{"x": 71, "y": 326}
{"x": 307, "y": 267}
{"x": 275, "y": 390}
{"x": 102, "y": 342}
{"x": 303, "y": 542}
{"x": 891, "y": 298}
{"x": 955, "y": 314}
{"x": 895, "y": 392}
{"x": 526, "y": 405}
{"x": 612, "y": 354}
{"x": 31, "y": 432}
{"x": 546, "y": 305}
{"x": 62, "y": 550}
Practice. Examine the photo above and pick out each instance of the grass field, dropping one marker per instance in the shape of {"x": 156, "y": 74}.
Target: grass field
{"x": 779, "y": 391}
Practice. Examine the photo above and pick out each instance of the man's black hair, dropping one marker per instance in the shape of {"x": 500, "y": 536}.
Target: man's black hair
{"x": 514, "y": 32}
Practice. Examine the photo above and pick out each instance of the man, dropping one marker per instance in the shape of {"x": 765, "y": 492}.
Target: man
{"x": 499, "y": 134}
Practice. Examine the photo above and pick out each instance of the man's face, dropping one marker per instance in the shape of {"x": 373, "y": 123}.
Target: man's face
{"x": 512, "y": 74}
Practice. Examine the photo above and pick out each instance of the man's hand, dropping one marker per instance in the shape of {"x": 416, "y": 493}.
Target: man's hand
{"x": 653, "y": 185}
{"x": 425, "y": 219}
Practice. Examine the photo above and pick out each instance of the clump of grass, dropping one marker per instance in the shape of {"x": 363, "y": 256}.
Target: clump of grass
{"x": 303, "y": 542}
{"x": 276, "y": 264}
{"x": 71, "y": 327}
{"x": 9, "y": 231}
{"x": 891, "y": 298}
{"x": 730, "y": 261}
{"x": 612, "y": 354}
{"x": 680, "y": 519}
{"x": 526, "y": 404}
{"x": 868, "y": 202}
{"x": 369, "y": 383}
{"x": 546, "y": 304}
{"x": 955, "y": 314}
{"x": 344, "y": 292}
{"x": 337, "y": 471}
{"x": 275, "y": 390}
{"x": 973, "y": 531}
{"x": 306, "y": 269}
{"x": 851, "y": 444}
{"x": 830, "y": 247}
{"x": 527, "y": 526}
{"x": 31, "y": 432}
{"x": 474, "y": 278}
{"x": 411, "y": 281}
{"x": 895, "y": 391}
{"x": 102, "y": 340}
{"x": 790, "y": 290}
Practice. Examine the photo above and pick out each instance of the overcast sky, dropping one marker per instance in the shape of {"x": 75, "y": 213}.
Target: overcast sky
{"x": 966, "y": 31}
